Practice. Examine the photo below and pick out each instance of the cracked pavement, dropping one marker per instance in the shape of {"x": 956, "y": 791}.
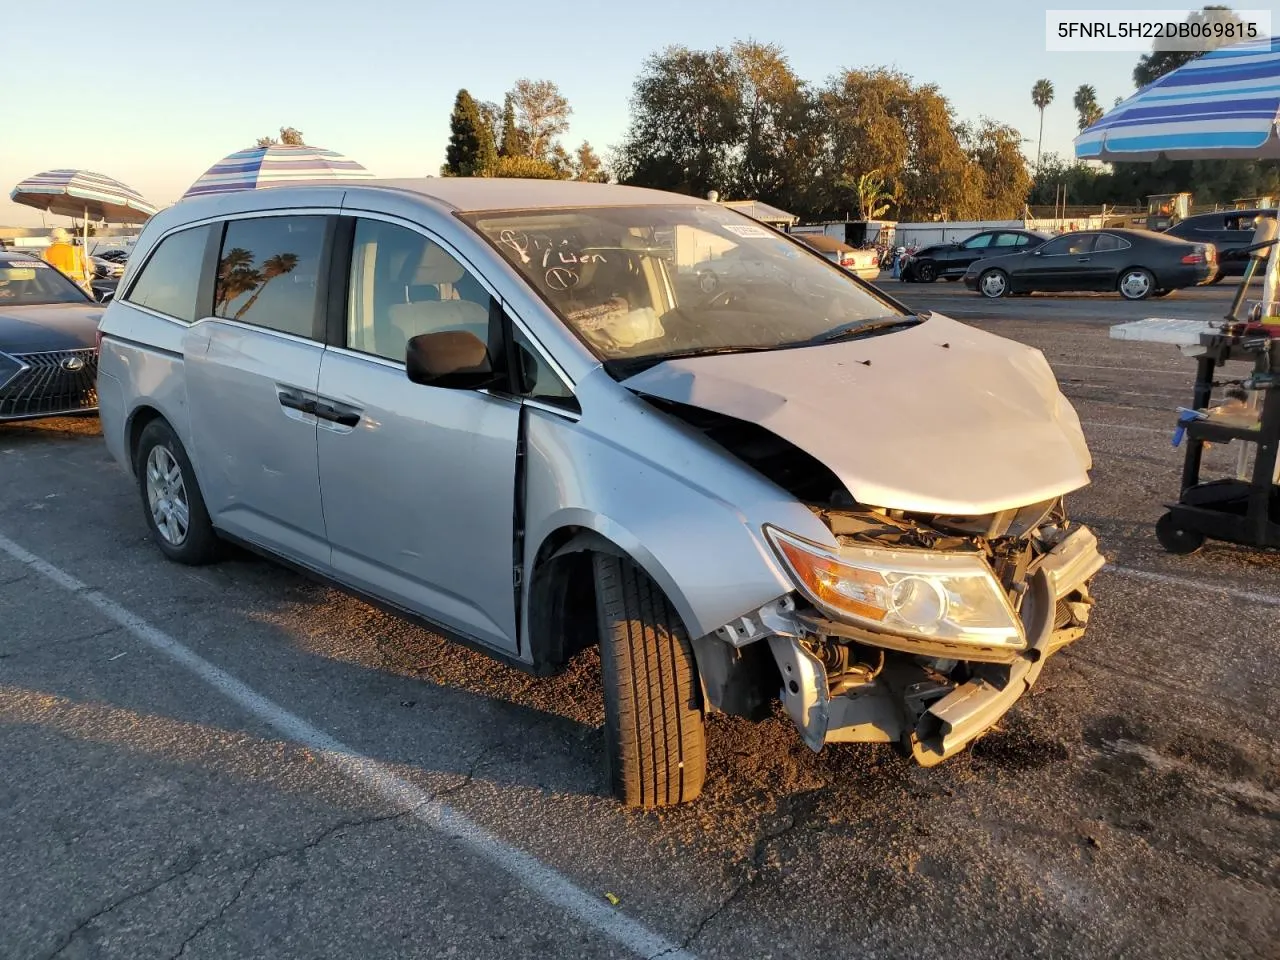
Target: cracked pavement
{"x": 1129, "y": 807}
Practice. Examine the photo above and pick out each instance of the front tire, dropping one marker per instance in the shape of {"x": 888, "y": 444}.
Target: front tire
{"x": 993, "y": 284}
{"x": 926, "y": 272}
{"x": 1136, "y": 283}
{"x": 171, "y": 498}
{"x": 655, "y": 741}
{"x": 1176, "y": 539}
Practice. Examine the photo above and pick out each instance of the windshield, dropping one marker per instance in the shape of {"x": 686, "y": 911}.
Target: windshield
{"x": 26, "y": 283}
{"x": 652, "y": 282}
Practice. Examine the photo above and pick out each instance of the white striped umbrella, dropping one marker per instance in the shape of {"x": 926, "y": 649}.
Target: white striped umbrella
{"x": 82, "y": 193}
{"x": 275, "y": 164}
{"x": 1224, "y": 105}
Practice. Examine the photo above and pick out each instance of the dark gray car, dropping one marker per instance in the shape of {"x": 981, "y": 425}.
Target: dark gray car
{"x": 48, "y": 350}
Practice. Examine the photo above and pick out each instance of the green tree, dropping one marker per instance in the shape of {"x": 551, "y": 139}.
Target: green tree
{"x": 1154, "y": 65}
{"x": 685, "y": 123}
{"x": 289, "y": 137}
{"x": 587, "y": 166}
{"x": 541, "y": 114}
{"x": 527, "y": 168}
{"x": 1086, "y": 103}
{"x": 471, "y": 151}
{"x": 998, "y": 167}
{"x": 511, "y": 143}
{"x": 1041, "y": 97}
{"x": 872, "y": 198}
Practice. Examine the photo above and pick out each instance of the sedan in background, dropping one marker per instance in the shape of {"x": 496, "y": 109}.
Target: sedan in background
{"x": 1135, "y": 263}
{"x": 864, "y": 264}
{"x": 48, "y": 342}
{"x": 1230, "y": 232}
{"x": 951, "y": 260}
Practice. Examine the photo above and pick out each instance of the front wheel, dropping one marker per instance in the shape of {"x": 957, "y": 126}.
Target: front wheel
{"x": 926, "y": 272}
{"x": 1178, "y": 539}
{"x": 993, "y": 284}
{"x": 171, "y": 498}
{"x": 1136, "y": 283}
{"x": 655, "y": 742}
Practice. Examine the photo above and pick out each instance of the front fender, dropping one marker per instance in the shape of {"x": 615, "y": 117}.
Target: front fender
{"x": 704, "y": 547}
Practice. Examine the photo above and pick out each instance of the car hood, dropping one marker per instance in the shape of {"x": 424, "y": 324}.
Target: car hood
{"x": 934, "y": 249}
{"x": 937, "y": 418}
{"x": 56, "y": 326}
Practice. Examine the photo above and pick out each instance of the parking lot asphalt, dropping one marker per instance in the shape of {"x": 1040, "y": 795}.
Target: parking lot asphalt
{"x": 234, "y": 761}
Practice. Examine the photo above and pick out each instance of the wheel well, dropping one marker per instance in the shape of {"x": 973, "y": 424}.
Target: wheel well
{"x": 138, "y": 421}
{"x": 562, "y": 597}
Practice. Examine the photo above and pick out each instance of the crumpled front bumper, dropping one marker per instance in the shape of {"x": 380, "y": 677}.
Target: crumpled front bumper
{"x": 906, "y": 703}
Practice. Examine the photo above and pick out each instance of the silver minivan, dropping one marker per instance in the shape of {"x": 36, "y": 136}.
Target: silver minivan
{"x": 512, "y": 411}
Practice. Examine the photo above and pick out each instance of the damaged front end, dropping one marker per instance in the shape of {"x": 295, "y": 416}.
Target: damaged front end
{"x": 922, "y": 630}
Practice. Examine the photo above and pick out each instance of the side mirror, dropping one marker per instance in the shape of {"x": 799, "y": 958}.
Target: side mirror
{"x": 455, "y": 359}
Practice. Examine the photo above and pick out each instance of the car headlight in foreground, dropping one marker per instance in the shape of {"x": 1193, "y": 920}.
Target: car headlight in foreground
{"x": 949, "y": 597}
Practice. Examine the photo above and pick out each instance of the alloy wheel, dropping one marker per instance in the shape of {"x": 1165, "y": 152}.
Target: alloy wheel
{"x": 167, "y": 496}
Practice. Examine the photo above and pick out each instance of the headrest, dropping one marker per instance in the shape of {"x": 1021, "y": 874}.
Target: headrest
{"x": 437, "y": 266}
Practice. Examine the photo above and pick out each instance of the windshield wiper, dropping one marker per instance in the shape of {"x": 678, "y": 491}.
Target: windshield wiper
{"x": 863, "y": 328}
{"x": 629, "y": 366}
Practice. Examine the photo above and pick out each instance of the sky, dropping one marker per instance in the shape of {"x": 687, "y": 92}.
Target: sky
{"x": 153, "y": 93}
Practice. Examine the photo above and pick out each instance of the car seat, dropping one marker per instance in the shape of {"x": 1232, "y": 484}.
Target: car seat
{"x": 428, "y": 312}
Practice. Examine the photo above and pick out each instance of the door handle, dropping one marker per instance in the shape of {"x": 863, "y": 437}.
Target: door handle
{"x": 337, "y": 413}
{"x": 1082, "y": 260}
{"x": 295, "y": 400}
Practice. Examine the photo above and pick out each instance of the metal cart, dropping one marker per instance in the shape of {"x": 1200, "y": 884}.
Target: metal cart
{"x": 1238, "y": 511}
{"x": 1244, "y": 511}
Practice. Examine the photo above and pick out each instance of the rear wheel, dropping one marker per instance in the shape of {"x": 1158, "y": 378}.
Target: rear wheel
{"x": 655, "y": 743}
{"x": 171, "y": 498}
{"x": 1136, "y": 283}
{"x": 1177, "y": 539}
{"x": 993, "y": 284}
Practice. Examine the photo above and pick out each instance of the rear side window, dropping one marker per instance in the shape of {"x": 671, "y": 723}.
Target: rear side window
{"x": 1107, "y": 241}
{"x": 1008, "y": 240}
{"x": 269, "y": 273}
{"x": 170, "y": 280}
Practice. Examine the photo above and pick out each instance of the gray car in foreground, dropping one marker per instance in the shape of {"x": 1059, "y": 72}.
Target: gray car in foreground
{"x": 513, "y": 411}
{"x": 48, "y": 342}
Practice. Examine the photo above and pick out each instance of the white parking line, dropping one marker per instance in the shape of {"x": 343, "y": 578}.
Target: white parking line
{"x": 537, "y": 877}
{"x": 1251, "y": 596}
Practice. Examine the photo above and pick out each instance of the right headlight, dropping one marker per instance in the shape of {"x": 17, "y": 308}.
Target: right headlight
{"x": 9, "y": 368}
{"x": 950, "y": 597}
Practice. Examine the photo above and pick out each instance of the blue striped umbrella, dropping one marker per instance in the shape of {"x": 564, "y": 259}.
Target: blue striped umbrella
{"x": 1222, "y": 106}
{"x": 82, "y": 193}
{"x": 272, "y": 165}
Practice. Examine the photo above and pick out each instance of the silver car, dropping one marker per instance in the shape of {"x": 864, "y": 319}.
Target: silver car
{"x": 512, "y": 411}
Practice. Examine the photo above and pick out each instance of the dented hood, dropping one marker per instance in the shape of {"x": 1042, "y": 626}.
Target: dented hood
{"x": 936, "y": 418}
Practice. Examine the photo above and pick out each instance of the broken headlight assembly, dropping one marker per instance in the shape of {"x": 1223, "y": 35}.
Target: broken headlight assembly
{"x": 949, "y": 597}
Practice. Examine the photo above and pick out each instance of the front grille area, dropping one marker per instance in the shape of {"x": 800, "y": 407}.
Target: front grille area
{"x": 47, "y": 387}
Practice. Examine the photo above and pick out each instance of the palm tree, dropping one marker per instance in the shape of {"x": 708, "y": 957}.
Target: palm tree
{"x": 871, "y": 195}
{"x": 1086, "y": 104}
{"x": 273, "y": 267}
{"x": 236, "y": 276}
{"x": 1041, "y": 96}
